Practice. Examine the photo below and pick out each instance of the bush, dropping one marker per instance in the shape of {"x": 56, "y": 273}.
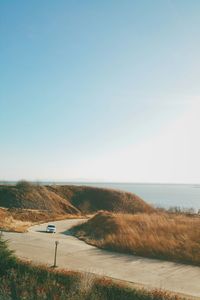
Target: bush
{"x": 7, "y": 259}
{"x": 24, "y": 185}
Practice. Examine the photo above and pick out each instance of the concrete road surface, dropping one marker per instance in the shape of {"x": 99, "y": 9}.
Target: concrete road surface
{"x": 38, "y": 246}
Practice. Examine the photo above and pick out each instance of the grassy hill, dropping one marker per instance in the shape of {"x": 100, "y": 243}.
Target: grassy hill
{"x": 69, "y": 199}
{"x": 90, "y": 199}
{"x": 165, "y": 236}
{"x": 24, "y": 204}
{"x": 29, "y": 196}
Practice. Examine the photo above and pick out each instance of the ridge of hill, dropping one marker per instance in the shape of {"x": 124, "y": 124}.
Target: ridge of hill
{"x": 69, "y": 199}
{"x": 91, "y": 199}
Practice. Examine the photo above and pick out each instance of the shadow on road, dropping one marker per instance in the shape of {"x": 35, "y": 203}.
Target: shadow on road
{"x": 67, "y": 232}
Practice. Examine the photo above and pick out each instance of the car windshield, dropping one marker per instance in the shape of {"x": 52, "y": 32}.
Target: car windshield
{"x": 52, "y": 226}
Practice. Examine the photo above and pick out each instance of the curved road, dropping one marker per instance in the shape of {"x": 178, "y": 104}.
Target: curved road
{"x": 38, "y": 246}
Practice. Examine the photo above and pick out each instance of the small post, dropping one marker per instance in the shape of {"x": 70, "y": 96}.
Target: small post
{"x": 56, "y": 246}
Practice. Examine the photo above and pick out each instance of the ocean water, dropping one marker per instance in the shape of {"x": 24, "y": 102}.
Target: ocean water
{"x": 160, "y": 195}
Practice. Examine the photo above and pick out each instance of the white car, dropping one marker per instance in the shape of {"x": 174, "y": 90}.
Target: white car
{"x": 51, "y": 228}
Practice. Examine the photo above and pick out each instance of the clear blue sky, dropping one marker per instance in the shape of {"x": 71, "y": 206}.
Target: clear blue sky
{"x": 100, "y": 90}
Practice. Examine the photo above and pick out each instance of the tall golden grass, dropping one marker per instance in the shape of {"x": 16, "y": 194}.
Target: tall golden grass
{"x": 159, "y": 235}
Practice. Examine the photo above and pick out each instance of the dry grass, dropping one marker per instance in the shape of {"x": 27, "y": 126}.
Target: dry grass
{"x": 26, "y": 204}
{"x": 91, "y": 199}
{"x": 19, "y": 220}
{"x": 62, "y": 199}
{"x": 8, "y": 223}
{"x": 163, "y": 236}
{"x": 31, "y": 196}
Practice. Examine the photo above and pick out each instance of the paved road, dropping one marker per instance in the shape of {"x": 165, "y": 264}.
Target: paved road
{"x": 38, "y": 246}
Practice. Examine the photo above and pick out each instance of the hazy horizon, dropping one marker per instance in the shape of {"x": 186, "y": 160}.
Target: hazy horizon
{"x": 100, "y": 91}
{"x": 78, "y": 181}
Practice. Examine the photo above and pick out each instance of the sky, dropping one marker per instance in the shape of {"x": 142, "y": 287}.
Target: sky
{"x": 100, "y": 90}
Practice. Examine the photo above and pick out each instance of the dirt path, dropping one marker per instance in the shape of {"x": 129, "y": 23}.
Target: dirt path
{"x": 38, "y": 246}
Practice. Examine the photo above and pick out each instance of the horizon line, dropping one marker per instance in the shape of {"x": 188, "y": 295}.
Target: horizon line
{"x": 52, "y": 181}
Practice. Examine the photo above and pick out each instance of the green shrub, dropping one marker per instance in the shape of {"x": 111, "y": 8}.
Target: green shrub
{"x": 7, "y": 259}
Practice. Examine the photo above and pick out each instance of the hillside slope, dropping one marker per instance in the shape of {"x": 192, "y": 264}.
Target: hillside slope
{"x": 29, "y": 196}
{"x": 91, "y": 199}
{"x": 69, "y": 199}
{"x": 158, "y": 235}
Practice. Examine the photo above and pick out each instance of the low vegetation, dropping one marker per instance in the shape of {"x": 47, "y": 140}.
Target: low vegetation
{"x": 25, "y": 195}
{"x": 62, "y": 199}
{"x": 90, "y": 199}
{"x": 18, "y": 220}
{"x": 160, "y": 235}
{"x": 9, "y": 223}
{"x": 20, "y": 280}
{"x": 25, "y": 203}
